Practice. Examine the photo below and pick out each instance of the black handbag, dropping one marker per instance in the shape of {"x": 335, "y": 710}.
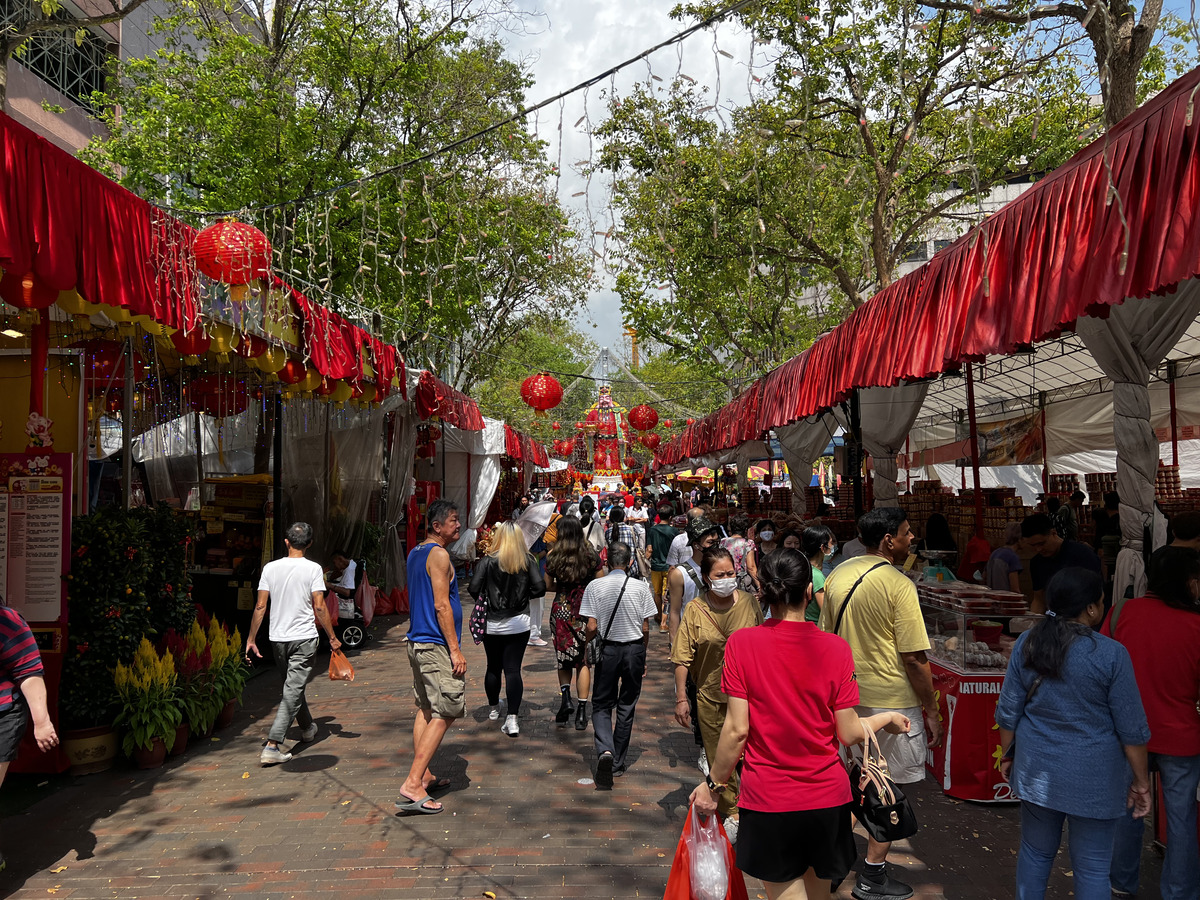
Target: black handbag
{"x": 879, "y": 804}
{"x": 595, "y": 646}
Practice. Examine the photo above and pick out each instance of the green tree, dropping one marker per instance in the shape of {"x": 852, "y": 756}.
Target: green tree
{"x": 281, "y": 111}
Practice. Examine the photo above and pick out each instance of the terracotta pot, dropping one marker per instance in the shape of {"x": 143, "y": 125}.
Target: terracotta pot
{"x": 152, "y": 758}
{"x": 225, "y": 716}
{"x": 181, "y": 739}
{"x": 90, "y": 750}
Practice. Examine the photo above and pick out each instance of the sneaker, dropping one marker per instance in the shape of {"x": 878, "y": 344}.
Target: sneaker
{"x": 273, "y": 756}
{"x": 731, "y": 830}
{"x": 879, "y": 887}
{"x": 604, "y": 771}
{"x": 309, "y": 734}
{"x": 494, "y": 713}
{"x": 510, "y": 726}
{"x": 537, "y": 642}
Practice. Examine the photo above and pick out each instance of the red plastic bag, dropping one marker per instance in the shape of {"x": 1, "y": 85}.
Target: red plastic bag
{"x": 679, "y": 884}
{"x": 400, "y": 600}
{"x": 383, "y": 603}
{"x": 339, "y": 667}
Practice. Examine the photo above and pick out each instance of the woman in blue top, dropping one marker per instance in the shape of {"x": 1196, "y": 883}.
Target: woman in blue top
{"x": 1071, "y": 703}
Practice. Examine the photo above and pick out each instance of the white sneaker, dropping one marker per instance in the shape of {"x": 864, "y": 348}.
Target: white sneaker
{"x": 309, "y": 734}
{"x": 536, "y": 642}
{"x": 731, "y": 830}
{"x": 494, "y": 713}
{"x": 273, "y": 756}
{"x": 510, "y": 726}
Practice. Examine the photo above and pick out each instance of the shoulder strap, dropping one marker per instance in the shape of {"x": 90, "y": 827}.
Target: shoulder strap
{"x": 608, "y": 627}
{"x": 686, "y": 565}
{"x": 841, "y": 612}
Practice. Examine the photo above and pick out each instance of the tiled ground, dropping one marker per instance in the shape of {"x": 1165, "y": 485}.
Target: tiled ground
{"x": 519, "y": 822}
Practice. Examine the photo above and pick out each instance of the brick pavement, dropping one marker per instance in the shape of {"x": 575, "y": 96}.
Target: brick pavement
{"x": 518, "y": 823}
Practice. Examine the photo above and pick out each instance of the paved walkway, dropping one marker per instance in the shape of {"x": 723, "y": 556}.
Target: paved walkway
{"x": 522, "y": 820}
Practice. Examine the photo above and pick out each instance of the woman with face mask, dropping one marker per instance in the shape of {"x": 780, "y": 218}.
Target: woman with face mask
{"x": 764, "y": 536}
{"x": 699, "y": 651}
{"x": 817, "y": 542}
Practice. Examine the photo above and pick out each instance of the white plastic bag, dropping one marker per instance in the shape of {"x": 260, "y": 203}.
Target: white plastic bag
{"x": 707, "y": 852}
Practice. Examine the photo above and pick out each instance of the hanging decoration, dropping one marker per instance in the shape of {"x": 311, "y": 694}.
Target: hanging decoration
{"x": 667, "y": 423}
{"x": 37, "y": 429}
{"x": 555, "y": 427}
{"x": 232, "y": 252}
{"x": 643, "y": 417}
{"x": 218, "y": 396}
{"x": 541, "y": 392}
{"x": 26, "y": 291}
{"x": 651, "y": 441}
{"x": 292, "y": 372}
{"x": 192, "y": 344}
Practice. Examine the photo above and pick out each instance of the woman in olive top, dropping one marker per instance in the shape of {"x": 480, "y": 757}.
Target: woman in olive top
{"x": 699, "y": 651}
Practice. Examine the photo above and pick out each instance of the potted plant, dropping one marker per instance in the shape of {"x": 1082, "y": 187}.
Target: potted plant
{"x": 228, "y": 670}
{"x": 203, "y": 706}
{"x": 189, "y": 673}
{"x": 148, "y": 707}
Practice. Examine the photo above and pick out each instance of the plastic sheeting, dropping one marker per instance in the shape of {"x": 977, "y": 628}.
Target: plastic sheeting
{"x": 471, "y": 477}
{"x": 401, "y": 486}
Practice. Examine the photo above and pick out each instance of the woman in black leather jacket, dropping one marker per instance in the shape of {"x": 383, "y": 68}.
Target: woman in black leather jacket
{"x": 508, "y": 578}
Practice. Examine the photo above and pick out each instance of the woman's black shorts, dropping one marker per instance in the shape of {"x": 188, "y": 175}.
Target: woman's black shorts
{"x": 782, "y": 846}
{"x": 12, "y": 729}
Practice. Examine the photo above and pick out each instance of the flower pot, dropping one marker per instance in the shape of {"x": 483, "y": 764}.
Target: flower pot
{"x": 90, "y": 750}
{"x": 225, "y": 716}
{"x": 151, "y": 758}
{"x": 181, "y": 739}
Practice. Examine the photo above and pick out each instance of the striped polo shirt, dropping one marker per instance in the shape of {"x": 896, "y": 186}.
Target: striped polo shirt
{"x": 19, "y": 657}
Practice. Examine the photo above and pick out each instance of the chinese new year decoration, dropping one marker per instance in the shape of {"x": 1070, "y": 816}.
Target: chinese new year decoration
{"x": 643, "y": 417}
{"x": 232, "y": 252}
{"x": 541, "y": 392}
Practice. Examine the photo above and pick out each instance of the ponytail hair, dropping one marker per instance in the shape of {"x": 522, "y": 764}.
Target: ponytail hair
{"x": 1068, "y": 594}
{"x": 587, "y": 508}
{"x": 786, "y": 576}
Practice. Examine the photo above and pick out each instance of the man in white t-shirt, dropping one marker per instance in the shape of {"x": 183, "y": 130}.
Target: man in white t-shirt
{"x": 341, "y": 583}
{"x": 618, "y": 608}
{"x": 295, "y": 587}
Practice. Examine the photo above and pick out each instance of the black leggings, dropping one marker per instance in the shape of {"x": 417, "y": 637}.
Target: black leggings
{"x": 505, "y": 652}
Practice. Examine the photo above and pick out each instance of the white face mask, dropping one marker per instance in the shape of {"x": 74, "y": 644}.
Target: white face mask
{"x": 723, "y": 587}
{"x": 766, "y": 535}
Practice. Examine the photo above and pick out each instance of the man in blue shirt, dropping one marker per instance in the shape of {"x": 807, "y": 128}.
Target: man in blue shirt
{"x": 438, "y": 665}
{"x": 1051, "y": 555}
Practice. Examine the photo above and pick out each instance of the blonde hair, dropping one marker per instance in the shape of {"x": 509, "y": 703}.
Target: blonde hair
{"x": 508, "y": 548}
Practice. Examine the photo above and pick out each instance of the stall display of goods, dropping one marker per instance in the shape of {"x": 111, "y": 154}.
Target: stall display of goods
{"x": 966, "y": 762}
{"x": 1063, "y": 484}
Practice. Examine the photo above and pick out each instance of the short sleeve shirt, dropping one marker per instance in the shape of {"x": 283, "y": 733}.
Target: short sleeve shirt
{"x": 660, "y": 537}
{"x": 883, "y": 620}
{"x": 794, "y": 679}
{"x": 636, "y": 605}
{"x": 1071, "y": 553}
{"x": 19, "y": 657}
{"x": 812, "y": 613}
{"x": 1002, "y": 563}
{"x": 291, "y": 582}
{"x": 700, "y": 642}
{"x": 680, "y": 550}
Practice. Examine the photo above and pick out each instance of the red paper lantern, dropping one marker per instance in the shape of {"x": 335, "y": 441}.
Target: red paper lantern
{"x": 218, "y": 396}
{"x": 569, "y": 446}
{"x": 426, "y": 451}
{"x": 667, "y": 423}
{"x": 232, "y": 252}
{"x": 579, "y": 426}
{"x": 691, "y": 421}
{"x": 192, "y": 343}
{"x": 326, "y": 387}
{"x": 542, "y": 392}
{"x": 631, "y": 462}
{"x": 651, "y": 440}
{"x": 555, "y": 427}
{"x": 251, "y": 346}
{"x": 643, "y": 417}
{"x": 26, "y": 291}
{"x": 293, "y": 372}
{"x": 104, "y": 365}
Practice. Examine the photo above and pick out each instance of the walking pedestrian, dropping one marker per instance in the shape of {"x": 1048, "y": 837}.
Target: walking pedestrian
{"x": 618, "y": 531}
{"x": 570, "y": 567}
{"x": 438, "y": 665}
{"x": 1070, "y": 697}
{"x": 659, "y": 539}
{"x": 818, "y": 543}
{"x": 698, "y": 653}
{"x": 22, "y": 687}
{"x": 508, "y": 578}
{"x": 741, "y": 548}
{"x": 685, "y": 581}
{"x": 625, "y": 606}
{"x": 792, "y": 698}
{"x": 295, "y": 587}
{"x": 1161, "y": 631}
{"x": 873, "y": 605}
{"x": 593, "y": 530}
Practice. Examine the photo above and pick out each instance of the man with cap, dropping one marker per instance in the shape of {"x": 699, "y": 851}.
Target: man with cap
{"x": 684, "y": 582}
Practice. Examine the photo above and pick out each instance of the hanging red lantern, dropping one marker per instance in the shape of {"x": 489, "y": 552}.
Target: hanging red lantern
{"x": 667, "y": 423}
{"x": 104, "y": 365}
{"x": 293, "y": 372}
{"x": 651, "y": 440}
{"x": 631, "y": 461}
{"x": 232, "y": 252}
{"x": 426, "y": 451}
{"x": 691, "y": 421}
{"x": 218, "y": 396}
{"x": 326, "y": 387}
{"x": 643, "y": 417}
{"x": 542, "y": 392}
{"x": 579, "y": 426}
{"x": 435, "y": 433}
{"x": 555, "y": 427}
{"x": 191, "y": 343}
{"x": 26, "y": 291}
{"x": 568, "y": 446}
{"x": 251, "y": 346}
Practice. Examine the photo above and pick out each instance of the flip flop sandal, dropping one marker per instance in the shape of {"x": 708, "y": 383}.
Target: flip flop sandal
{"x": 418, "y": 806}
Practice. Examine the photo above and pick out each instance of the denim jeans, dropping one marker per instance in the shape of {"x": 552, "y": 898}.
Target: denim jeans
{"x": 1181, "y": 868}
{"x": 1091, "y": 845}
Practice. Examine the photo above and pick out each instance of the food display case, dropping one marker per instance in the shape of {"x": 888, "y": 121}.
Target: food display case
{"x": 971, "y": 634}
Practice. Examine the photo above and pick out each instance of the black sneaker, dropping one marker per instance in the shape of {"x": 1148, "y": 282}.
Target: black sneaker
{"x": 604, "y": 772}
{"x": 879, "y": 887}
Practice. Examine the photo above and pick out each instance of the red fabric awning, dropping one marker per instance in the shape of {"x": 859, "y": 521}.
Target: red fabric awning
{"x": 1070, "y": 246}
{"x": 523, "y": 448}
{"x": 436, "y": 398}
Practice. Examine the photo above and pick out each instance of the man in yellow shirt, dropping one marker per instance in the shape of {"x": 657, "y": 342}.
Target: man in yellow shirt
{"x": 873, "y": 605}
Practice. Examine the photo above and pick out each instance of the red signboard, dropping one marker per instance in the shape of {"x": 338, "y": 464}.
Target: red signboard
{"x": 966, "y": 763}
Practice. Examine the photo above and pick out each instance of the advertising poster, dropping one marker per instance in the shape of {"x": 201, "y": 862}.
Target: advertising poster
{"x": 966, "y": 763}
{"x": 1010, "y": 442}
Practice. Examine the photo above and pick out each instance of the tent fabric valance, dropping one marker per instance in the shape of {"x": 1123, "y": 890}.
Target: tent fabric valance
{"x": 523, "y": 448}
{"x": 436, "y": 398}
{"x": 1074, "y": 244}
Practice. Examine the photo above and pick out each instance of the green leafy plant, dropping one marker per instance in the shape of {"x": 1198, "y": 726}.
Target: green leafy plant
{"x": 147, "y": 692}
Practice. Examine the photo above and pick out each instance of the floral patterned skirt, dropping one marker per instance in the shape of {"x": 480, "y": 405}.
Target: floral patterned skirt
{"x": 569, "y": 629}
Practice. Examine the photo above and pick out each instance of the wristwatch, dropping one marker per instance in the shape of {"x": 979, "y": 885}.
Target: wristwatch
{"x": 714, "y": 787}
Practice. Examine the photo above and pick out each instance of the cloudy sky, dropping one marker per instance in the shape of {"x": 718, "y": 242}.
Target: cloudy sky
{"x": 568, "y": 41}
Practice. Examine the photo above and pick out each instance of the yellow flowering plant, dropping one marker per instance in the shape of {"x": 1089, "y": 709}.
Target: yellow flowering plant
{"x": 148, "y": 705}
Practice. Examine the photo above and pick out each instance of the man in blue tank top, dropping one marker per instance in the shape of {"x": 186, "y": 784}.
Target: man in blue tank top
{"x": 438, "y": 665}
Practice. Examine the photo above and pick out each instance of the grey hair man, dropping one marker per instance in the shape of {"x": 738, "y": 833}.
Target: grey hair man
{"x": 625, "y": 606}
{"x": 295, "y": 587}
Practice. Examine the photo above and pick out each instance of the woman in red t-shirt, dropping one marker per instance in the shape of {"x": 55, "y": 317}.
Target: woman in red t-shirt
{"x": 796, "y": 685}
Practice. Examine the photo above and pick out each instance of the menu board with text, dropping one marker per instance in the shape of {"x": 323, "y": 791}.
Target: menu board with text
{"x": 35, "y": 511}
